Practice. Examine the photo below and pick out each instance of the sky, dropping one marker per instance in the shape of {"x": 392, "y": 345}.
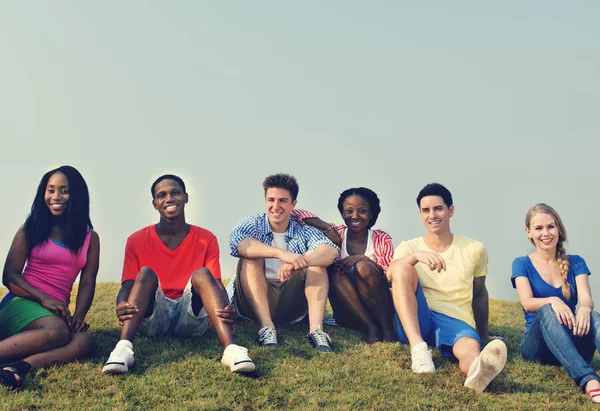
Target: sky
{"x": 498, "y": 101}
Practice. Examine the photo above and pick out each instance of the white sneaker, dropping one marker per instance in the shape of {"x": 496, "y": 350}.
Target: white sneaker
{"x": 422, "y": 362}
{"x": 120, "y": 359}
{"x": 487, "y": 366}
{"x": 237, "y": 359}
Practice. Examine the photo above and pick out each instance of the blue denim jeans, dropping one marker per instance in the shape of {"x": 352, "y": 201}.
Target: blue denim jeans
{"x": 549, "y": 342}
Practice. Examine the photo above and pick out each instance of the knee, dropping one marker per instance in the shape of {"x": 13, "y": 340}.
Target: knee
{"x": 319, "y": 271}
{"x": 546, "y": 311}
{"x": 58, "y": 336}
{"x": 147, "y": 276}
{"x": 85, "y": 344}
{"x": 202, "y": 276}
{"x": 402, "y": 274}
{"x": 253, "y": 266}
{"x": 366, "y": 270}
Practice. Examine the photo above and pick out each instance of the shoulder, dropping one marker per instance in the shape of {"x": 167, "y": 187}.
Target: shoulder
{"x": 475, "y": 247}
{"x": 140, "y": 235}
{"x": 413, "y": 244}
{"x": 202, "y": 233}
{"x": 381, "y": 235}
{"x": 575, "y": 259}
{"x": 468, "y": 242}
{"x": 94, "y": 237}
{"x": 577, "y": 265}
{"x": 520, "y": 265}
{"x": 306, "y": 229}
{"x": 251, "y": 220}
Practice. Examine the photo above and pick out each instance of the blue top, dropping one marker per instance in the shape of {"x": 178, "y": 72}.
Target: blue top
{"x": 299, "y": 238}
{"x": 523, "y": 267}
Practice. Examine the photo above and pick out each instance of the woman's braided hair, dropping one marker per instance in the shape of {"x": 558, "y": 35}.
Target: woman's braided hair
{"x": 562, "y": 261}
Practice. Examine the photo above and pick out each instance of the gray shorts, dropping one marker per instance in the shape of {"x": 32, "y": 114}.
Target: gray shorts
{"x": 287, "y": 300}
{"x": 174, "y": 317}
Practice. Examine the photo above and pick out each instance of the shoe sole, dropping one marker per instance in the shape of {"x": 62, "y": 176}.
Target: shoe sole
{"x": 243, "y": 367}
{"x": 115, "y": 369}
{"x": 423, "y": 371}
{"x": 491, "y": 363}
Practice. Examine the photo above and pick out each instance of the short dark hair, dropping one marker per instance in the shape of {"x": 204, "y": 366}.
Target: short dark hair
{"x": 285, "y": 181}
{"x": 435, "y": 189}
{"x": 368, "y": 195}
{"x": 167, "y": 177}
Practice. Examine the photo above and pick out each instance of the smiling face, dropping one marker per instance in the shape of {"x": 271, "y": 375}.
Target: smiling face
{"x": 543, "y": 232}
{"x": 169, "y": 199}
{"x": 435, "y": 214}
{"x": 279, "y": 206}
{"x": 57, "y": 193}
{"x": 356, "y": 213}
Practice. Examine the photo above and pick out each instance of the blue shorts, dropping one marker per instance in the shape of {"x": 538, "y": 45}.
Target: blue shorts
{"x": 438, "y": 330}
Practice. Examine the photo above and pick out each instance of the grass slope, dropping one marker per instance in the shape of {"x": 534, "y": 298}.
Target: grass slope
{"x": 172, "y": 373}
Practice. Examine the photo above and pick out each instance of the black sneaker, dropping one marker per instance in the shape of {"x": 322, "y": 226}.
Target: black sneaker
{"x": 320, "y": 340}
{"x": 267, "y": 337}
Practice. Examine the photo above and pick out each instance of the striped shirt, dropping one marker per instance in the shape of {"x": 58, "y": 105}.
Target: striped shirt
{"x": 382, "y": 241}
{"x": 299, "y": 238}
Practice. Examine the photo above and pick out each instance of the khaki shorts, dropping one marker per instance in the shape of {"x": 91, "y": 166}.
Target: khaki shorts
{"x": 174, "y": 317}
{"x": 287, "y": 301}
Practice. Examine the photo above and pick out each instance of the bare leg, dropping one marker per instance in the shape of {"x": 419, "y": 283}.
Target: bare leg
{"x": 43, "y": 334}
{"x": 405, "y": 281}
{"x": 81, "y": 345}
{"x": 210, "y": 295}
{"x": 141, "y": 295}
{"x": 348, "y": 309}
{"x": 466, "y": 350}
{"x": 254, "y": 284}
{"x": 375, "y": 295}
{"x": 315, "y": 290}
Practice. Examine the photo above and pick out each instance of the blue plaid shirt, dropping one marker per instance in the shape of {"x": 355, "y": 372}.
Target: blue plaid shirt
{"x": 299, "y": 238}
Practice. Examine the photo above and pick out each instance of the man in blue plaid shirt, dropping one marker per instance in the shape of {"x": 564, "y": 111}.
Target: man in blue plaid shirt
{"x": 281, "y": 274}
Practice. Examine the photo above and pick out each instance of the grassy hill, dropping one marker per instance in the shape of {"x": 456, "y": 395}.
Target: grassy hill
{"x": 170, "y": 373}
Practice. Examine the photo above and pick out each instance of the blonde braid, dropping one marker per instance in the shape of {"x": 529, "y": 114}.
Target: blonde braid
{"x": 563, "y": 265}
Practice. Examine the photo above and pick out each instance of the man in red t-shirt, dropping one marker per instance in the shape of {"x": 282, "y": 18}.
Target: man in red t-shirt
{"x": 171, "y": 283}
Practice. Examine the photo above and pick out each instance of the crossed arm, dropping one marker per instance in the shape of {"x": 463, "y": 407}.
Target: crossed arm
{"x": 322, "y": 256}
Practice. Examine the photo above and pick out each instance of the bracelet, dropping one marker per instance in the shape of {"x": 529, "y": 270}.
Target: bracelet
{"x": 330, "y": 227}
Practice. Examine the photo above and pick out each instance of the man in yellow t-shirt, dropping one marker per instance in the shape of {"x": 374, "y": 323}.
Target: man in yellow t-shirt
{"x": 438, "y": 285}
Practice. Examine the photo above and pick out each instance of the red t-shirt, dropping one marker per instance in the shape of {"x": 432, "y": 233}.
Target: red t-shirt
{"x": 174, "y": 268}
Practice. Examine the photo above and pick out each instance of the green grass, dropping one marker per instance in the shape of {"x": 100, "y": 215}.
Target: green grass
{"x": 172, "y": 373}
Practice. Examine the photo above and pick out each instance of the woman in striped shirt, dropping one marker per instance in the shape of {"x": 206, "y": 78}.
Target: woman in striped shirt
{"x": 358, "y": 290}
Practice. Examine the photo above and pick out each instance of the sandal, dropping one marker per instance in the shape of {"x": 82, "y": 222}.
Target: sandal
{"x": 14, "y": 378}
{"x": 10, "y": 379}
{"x": 594, "y": 394}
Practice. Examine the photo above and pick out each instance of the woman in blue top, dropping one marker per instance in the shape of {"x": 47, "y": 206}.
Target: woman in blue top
{"x": 549, "y": 284}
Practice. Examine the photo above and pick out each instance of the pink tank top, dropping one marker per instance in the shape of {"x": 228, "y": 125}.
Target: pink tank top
{"x": 53, "y": 268}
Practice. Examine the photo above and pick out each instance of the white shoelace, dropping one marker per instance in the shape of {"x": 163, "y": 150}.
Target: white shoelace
{"x": 267, "y": 335}
{"x": 320, "y": 337}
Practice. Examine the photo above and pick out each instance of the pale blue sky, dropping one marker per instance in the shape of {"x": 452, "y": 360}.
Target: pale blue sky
{"x": 497, "y": 100}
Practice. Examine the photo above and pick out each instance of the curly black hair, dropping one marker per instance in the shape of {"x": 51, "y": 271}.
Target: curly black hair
{"x": 368, "y": 195}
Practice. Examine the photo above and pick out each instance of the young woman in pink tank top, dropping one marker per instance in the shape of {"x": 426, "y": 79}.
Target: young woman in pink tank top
{"x": 49, "y": 251}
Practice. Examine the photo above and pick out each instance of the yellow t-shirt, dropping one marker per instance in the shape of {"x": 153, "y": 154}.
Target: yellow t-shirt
{"x": 450, "y": 292}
